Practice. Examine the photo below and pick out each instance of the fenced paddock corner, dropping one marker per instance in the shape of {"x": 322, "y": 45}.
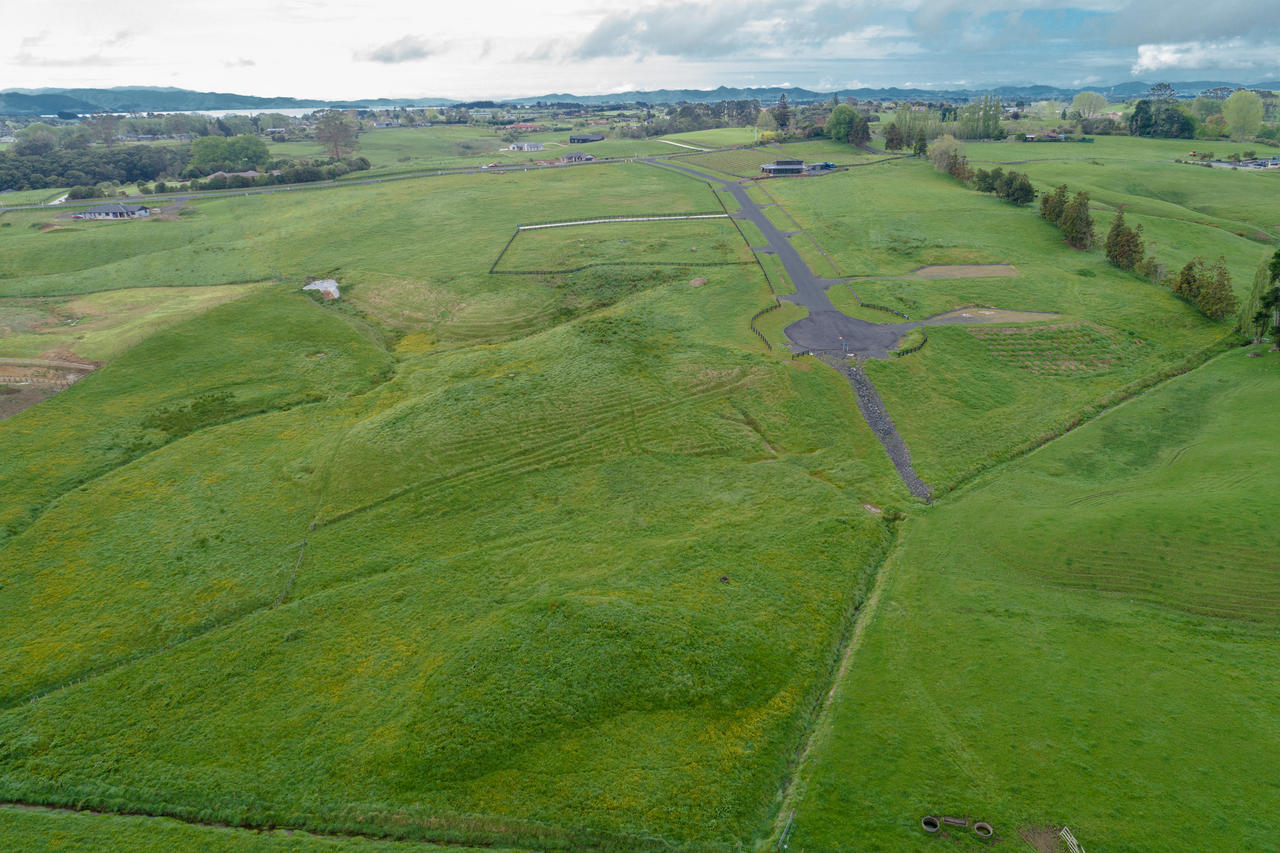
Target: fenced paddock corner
{"x": 686, "y": 240}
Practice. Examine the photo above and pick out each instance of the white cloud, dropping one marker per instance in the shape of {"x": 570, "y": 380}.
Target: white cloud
{"x": 404, "y": 49}
{"x": 1233, "y": 53}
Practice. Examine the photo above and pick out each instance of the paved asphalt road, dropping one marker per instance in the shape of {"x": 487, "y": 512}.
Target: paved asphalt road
{"x": 825, "y": 329}
{"x": 830, "y": 332}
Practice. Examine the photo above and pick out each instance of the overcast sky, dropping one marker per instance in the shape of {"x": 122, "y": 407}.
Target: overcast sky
{"x": 483, "y": 49}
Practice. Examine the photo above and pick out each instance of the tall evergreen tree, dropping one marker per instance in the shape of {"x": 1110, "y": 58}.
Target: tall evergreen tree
{"x": 921, "y": 148}
{"x": 1016, "y": 189}
{"x": 1077, "y": 223}
{"x": 860, "y": 132}
{"x": 1190, "y": 279}
{"x": 893, "y": 140}
{"x": 782, "y": 112}
{"x": 1124, "y": 245}
{"x": 1216, "y": 300}
{"x": 1052, "y": 204}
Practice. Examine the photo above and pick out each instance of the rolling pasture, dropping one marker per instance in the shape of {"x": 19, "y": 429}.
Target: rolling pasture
{"x": 403, "y": 150}
{"x": 1185, "y": 210}
{"x": 526, "y": 563}
{"x": 571, "y": 559}
{"x": 1085, "y": 638}
{"x": 961, "y": 402}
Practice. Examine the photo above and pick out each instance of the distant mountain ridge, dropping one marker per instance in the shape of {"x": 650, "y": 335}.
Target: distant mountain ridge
{"x": 50, "y": 101}
{"x": 799, "y": 95}
{"x": 145, "y": 99}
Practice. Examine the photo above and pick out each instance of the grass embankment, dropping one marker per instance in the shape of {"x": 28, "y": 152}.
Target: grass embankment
{"x": 1083, "y": 638}
{"x": 101, "y": 326}
{"x": 83, "y": 832}
{"x": 579, "y": 587}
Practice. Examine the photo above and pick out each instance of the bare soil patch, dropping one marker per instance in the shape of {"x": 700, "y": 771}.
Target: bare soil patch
{"x": 1042, "y": 838}
{"x": 27, "y": 381}
{"x": 989, "y": 315}
{"x": 17, "y": 398}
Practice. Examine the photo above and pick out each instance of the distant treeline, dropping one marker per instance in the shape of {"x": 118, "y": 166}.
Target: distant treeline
{"x": 125, "y": 164}
{"x": 91, "y": 171}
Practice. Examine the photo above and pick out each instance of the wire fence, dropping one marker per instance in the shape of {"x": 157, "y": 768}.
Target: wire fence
{"x": 872, "y": 305}
{"x": 924, "y": 339}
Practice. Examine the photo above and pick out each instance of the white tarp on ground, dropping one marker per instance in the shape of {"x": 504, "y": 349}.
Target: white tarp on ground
{"x": 328, "y": 288}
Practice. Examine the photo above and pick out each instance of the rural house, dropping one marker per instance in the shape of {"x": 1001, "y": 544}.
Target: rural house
{"x": 784, "y": 167}
{"x": 114, "y": 211}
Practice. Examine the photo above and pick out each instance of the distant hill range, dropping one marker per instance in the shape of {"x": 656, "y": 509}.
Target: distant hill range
{"x": 145, "y": 99}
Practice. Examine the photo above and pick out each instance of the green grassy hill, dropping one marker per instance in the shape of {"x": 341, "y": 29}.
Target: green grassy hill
{"x": 1084, "y": 638}
{"x": 568, "y": 559}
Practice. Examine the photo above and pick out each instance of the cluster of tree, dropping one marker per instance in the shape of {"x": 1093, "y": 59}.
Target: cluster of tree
{"x": 290, "y": 173}
{"x": 683, "y": 118}
{"x": 1206, "y": 287}
{"x": 1013, "y": 187}
{"x": 845, "y": 124}
{"x": 79, "y": 167}
{"x": 948, "y": 156}
{"x": 218, "y": 154}
{"x": 1162, "y": 119}
{"x": 1260, "y": 315}
{"x": 980, "y": 119}
{"x": 1239, "y": 115}
{"x": 109, "y": 130}
{"x": 1070, "y": 215}
{"x": 1088, "y": 105}
{"x": 915, "y": 123}
{"x": 896, "y": 139}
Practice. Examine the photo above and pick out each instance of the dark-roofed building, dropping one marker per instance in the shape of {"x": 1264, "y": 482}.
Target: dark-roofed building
{"x": 583, "y": 138}
{"x": 784, "y": 167}
{"x": 578, "y": 157}
{"x": 114, "y": 211}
